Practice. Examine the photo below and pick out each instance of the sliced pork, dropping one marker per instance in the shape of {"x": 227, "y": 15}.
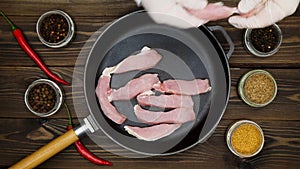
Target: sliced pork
{"x": 146, "y": 59}
{"x": 152, "y": 133}
{"x": 165, "y": 101}
{"x": 178, "y": 115}
{"x": 134, "y": 87}
{"x": 108, "y": 109}
{"x": 183, "y": 87}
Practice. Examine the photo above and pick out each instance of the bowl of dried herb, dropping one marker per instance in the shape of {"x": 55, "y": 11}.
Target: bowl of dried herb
{"x": 257, "y": 88}
{"x": 43, "y": 97}
{"x": 263, "y": 42}
{"x": 55, "y": 28}
{"x": 245, "y": 138}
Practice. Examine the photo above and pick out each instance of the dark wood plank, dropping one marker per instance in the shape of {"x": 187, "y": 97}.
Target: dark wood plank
{"x": 88, "y": 17}
{"x": 287, "y": 99}
{"x": 101, "y": 8}
{"x": 281, "y": 149}
{"x": 66, "y": 56}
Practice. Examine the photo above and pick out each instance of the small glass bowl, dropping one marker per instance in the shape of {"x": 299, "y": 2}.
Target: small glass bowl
{"x": 242, "y": 82}
{"x": 232, "y": 129}
{"x": 69, "y": 35}
{"x": 58, "y": 93}
{"x": 250, "y": 47}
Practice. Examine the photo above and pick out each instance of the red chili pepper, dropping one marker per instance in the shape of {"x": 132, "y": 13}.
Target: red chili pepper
{"x": 83, "y": 150}
{"x": 30, "y": 52}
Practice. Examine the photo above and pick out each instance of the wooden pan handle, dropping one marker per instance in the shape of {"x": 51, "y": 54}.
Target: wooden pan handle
{"x": 47, "y": 151}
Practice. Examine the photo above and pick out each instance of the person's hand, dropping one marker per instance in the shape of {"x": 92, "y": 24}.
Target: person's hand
{"x": 185, "y": 13}
{"x": 173, "y": 12}
{"x": 262, "y": 13}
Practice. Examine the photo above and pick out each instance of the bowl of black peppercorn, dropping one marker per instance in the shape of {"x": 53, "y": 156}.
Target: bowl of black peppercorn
{"x": 43, "y": 97}
{"x": 263, "y": 42}
{"x": 55, "y": 28}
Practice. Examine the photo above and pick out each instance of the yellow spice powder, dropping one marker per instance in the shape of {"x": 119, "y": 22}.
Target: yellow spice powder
{"x": 246, "y": 139}
{"x": 259, "y": 88}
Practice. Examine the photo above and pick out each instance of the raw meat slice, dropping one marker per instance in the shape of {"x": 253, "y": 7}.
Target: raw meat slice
{"x": 108, "y": 109}
{"x": 183, "y": 87}
{"x": 146, "y": 59}
{"x": 165, "y": 101}
{"x": 213, "y": 12}
{"x": 152, "y": 133}
{"x": 178, "y": 115}
{"x": 134, "y": 87}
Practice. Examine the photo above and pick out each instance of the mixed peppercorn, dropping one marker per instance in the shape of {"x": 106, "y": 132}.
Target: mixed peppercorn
{"x": 264, "y": 39}
{"x": 54, "y": 28}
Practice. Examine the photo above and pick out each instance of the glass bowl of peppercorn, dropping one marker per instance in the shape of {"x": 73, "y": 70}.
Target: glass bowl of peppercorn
{"x": 43, "y": 97}
{"x": 263, "y": 42}
{"x": 55, "y": 28}
{"x": 257, "y": 88}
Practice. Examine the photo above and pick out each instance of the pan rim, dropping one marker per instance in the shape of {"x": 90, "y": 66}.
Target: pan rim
{"x": 199, "y": 140}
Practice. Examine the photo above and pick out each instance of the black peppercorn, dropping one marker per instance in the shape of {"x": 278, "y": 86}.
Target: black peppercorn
{"x": 42, "y": 98}
{"x": 54, "y": 28}
{"x": 264, "y": 39}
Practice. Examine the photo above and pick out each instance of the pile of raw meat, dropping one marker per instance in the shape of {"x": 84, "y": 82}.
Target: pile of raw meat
{"x": 175, "y": 96}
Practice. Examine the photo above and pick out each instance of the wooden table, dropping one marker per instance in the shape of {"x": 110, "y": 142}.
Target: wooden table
{"x": 21, "y": 133}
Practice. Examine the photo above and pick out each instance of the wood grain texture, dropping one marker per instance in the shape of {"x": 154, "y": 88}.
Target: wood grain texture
{"x": 21, "y": 133}
{"x": 280, "y": 136}
{"x": 47, "y": 151}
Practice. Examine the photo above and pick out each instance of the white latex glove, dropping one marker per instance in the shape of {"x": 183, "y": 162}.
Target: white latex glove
{"x": 174, "y": 12}
{"x": 262, "y": 13}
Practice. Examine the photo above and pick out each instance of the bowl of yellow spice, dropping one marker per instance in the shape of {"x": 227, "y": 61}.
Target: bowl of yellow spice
{"x": 245, "y": 138}
{"x": 257, "y": 88}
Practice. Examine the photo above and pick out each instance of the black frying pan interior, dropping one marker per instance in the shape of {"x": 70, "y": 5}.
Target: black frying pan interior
{"x": 164, "y": 70}
{"x": 196, "y": 48}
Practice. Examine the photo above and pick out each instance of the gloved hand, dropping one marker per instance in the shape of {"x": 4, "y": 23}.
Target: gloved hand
{"x": 173, "y": 12}
{"x": 262, "y": 13}
{"x": 185, "y": 13}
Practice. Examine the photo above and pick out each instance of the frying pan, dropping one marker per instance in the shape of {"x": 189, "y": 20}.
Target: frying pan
{"x": 187, "y": 54}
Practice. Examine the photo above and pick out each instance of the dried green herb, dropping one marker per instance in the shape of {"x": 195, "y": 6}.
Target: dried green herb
{"x": 259, "y": 88}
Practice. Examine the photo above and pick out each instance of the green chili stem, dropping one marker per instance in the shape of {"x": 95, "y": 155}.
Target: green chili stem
{"x": 70, "y": 123}
{"x": 13, "y": 27}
